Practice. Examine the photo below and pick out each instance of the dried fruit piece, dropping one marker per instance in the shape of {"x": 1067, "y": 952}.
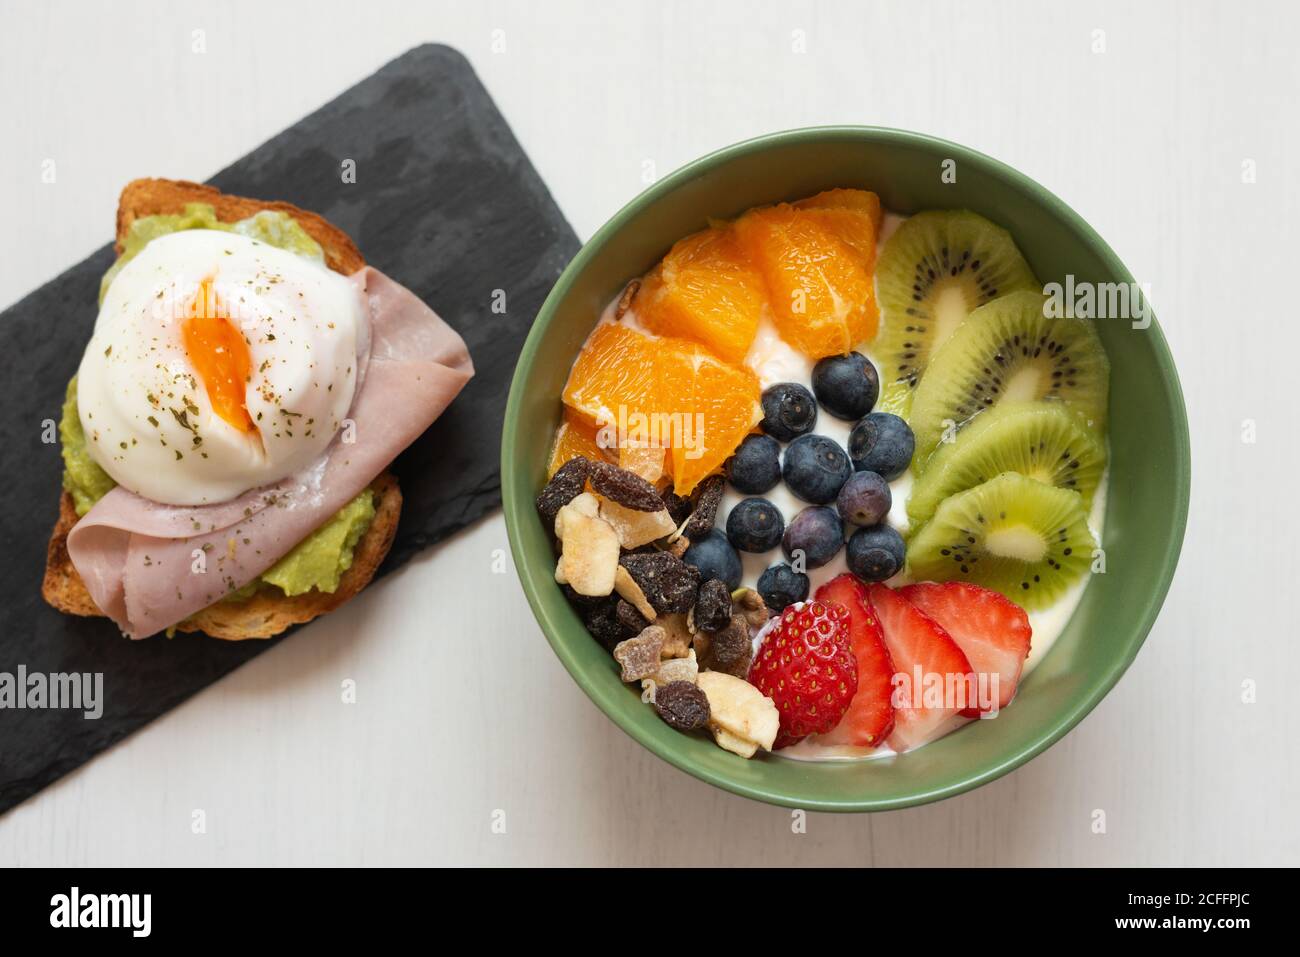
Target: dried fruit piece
{"x": 630, "y": 620}
{"x": 646, "y": 461}
{"x": 729, "y": 650}
{"x": 682, "y": 705}
{"x": 565, "y": 485}
{"x": 627, "y": 587}
{"x": 705, "y": 513}
{"x": 601, "y": 621}
{"x": 668, "y": 582}
{"x": 588, "y": 547}
{"x": 713, "y": 606}
{"x": 677, "y": 669}
{"x": 677, "y": 637}
{"x": 636, "y": 528}
{"x": 639, "y": 656}
{"x": 741, "y": 717}
{"x": 626, "y": 488}
{"x": 679, "y": 506}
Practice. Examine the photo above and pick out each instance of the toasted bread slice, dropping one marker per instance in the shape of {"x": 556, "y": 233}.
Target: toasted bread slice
{"x": 154, "y": 197}
{"x": 268, "y": 612}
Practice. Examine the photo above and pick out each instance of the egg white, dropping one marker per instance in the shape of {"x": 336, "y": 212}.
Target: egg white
{"x": 146, "y": 413}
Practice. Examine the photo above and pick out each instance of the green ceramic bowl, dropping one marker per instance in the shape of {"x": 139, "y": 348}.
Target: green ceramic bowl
{"x": 1150, "y": 460}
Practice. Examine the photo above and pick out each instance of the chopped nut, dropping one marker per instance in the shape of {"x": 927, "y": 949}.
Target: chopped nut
{"x": 740, "y": 714}
{"x": 753, "y": 608}
{"x": 636, "y": 528}
{"x": 626, "y": 299}
{"x": 589, "y": 548}
{"x": 639, "y": 656}
{"x": 627, "y": 587}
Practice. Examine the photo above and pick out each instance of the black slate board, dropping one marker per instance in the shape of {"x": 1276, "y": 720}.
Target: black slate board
{"x": 445, "y": 202}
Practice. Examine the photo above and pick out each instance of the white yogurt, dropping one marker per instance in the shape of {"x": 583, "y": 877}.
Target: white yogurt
{"x": 773, "y": 360}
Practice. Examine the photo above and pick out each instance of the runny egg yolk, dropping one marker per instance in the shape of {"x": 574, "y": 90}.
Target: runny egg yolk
{"x": 219, "y": 356}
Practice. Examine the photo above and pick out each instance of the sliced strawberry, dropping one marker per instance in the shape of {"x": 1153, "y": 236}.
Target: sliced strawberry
{"x": 870, "y": 717}
{"x": 928, "y": 664}
{"x": 991, "y": 629}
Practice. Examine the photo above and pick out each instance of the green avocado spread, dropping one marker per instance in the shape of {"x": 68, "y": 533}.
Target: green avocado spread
{"x": 319, "y": 560}
{"x": 272, "y": 228}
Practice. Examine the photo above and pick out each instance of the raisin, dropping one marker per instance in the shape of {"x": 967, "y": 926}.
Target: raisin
{"x": 639, "y": 656}
{"x": 707, "y": 497}
{"x": 679, "y": 507}
{"x": 713, "y": 605}
{"x": 631, "y": 620}
{"x": 626, "y": 488}
{"x": 668, "y": 582}
{"x": 602, "y": 621}
{"x": 565, "y": 485}
{"x": 682, "y": 705}
{"x": 730, "y": 649}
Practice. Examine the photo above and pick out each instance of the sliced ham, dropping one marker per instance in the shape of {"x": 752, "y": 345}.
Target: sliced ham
{"x": 138, "y": 558}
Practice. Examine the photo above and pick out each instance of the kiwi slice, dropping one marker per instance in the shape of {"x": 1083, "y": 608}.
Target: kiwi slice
{"x": 1008, "y": 350}
{"x": 935, "y": 269}
{"x": 1017, "y": 536}
{"x": 1042, "y": 440}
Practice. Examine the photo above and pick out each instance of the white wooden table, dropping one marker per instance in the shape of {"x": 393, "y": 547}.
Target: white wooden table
{"x": 1142, "y": 120}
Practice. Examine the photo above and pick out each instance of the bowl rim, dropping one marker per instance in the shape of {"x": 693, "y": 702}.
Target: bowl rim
{"x": 518, "y": 507}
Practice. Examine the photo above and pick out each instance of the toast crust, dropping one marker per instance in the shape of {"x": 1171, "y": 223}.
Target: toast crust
{"x": 153, "y": 197}
{"x": 268, "y": 612}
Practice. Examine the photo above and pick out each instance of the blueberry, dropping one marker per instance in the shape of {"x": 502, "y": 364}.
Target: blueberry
{"x": 781, "y": 585}
{"x": 715, "y": 558}
{"x": 876, "y": 553}
{"x": 816, "y": 535}
{"x": 815, "y": 468}
{"x": 755, "y": 525}
{"x": 846, "y": 386}
{"x": 865, "y": 499}
{"x": 882, "y": 443}
{"x": 756, "y": 466}
{"x": 789, "y": 411}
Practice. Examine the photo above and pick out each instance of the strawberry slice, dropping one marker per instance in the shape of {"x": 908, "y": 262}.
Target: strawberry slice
{"x": 991, "y": 629}
{"x": 870, "y": 716}
{"x": 929, "y": 664}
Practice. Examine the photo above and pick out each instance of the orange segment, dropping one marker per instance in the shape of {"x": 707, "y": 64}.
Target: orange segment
{"x": 859, "y": 199}
{"x": 573, "y": 437}
{"x": 852, "y": 215}
{"x": 706, "y": 291}
{"x": 665, "y": 391}
{"x": 724, "y": 401}
{"x": 615, "y": 368}
{"x": 821, "y": 295}
{"x": 219, "y": 355}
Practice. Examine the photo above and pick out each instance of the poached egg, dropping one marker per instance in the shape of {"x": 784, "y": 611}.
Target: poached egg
{"x": 218, "y": 364}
